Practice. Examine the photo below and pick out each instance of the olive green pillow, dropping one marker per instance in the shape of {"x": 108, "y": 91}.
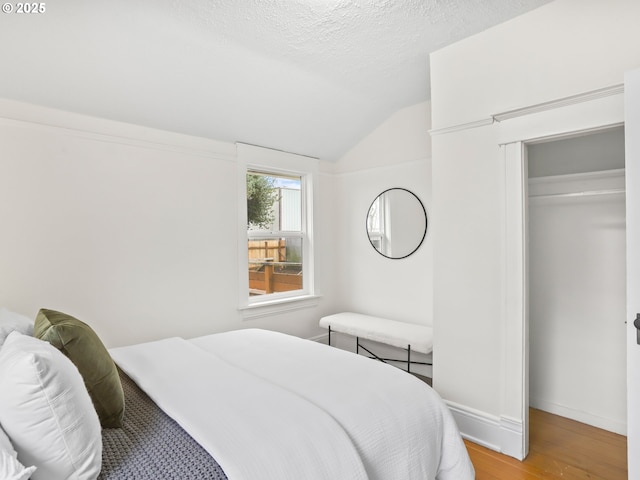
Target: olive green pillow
{"x": 82, "y": 346}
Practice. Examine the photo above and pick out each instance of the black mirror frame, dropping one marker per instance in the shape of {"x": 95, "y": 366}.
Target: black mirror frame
{"x": 426, "y": 223}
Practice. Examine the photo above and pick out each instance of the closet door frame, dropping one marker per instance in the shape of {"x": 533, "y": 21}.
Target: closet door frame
{"x": 577, "y": 115}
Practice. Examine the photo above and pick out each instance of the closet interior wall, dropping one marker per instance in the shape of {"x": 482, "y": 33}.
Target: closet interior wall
{"x": 577, "y": 278}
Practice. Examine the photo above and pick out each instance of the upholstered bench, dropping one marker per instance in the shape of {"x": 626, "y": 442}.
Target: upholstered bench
{"x": 411, "y": 337}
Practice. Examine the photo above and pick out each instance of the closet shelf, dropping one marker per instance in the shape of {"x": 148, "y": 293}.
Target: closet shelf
{"x": 611, "y": 191}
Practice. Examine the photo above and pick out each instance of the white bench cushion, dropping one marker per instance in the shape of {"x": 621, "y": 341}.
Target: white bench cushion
{"x": 383, "y": 330}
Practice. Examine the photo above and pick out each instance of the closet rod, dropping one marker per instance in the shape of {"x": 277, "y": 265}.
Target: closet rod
{"x": 611, "y": 191}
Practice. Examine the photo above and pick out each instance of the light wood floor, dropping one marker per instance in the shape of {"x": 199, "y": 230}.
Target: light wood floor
{"x": 559, "y": 448}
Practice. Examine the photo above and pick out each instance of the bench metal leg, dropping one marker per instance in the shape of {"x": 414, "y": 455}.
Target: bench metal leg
{"x": 408, "y": 361}
{"x": 358, "y": 347}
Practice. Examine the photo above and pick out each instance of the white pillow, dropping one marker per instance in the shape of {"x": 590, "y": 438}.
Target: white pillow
{"x": 10, "y": 321}
{"x": 10, "y": 467}
{"x": 46, "y": 411}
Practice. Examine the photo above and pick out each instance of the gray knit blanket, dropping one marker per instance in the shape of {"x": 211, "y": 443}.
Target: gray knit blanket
{"x": 151, "y": 445}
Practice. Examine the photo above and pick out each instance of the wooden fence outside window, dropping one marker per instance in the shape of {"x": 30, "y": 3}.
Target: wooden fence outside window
{"x": 269, "y": 272}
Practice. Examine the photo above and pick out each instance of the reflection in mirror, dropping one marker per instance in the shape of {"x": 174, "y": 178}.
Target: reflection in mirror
{"x": 396, "y": 223}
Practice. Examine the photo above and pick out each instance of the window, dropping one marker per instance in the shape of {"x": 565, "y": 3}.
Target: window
{"x": 274, "y": 233}
{"x": 276, "y": 241}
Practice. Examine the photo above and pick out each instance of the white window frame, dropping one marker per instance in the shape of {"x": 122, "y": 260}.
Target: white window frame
{"x": 253, "y": 158}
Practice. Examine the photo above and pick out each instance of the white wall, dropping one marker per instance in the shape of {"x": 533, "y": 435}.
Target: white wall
{"x": 396, "y": 154}
{"x": 562, "y": 49}
{"x": 367, "y": 281}
{"x": 133, "y": 229}
{"x": 130, "y": 229}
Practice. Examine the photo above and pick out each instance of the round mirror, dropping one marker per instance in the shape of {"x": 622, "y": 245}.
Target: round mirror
{"x": 396, "y": 223}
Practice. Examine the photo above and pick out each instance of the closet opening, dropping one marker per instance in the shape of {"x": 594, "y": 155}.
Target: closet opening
{"x": 576, "y": 274}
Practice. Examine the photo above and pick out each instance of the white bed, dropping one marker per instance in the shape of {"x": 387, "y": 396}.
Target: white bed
{"x": 271, "y": 406}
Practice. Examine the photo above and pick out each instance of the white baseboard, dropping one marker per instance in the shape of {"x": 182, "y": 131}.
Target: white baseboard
{"x": 322, "y": 338}
{"x": 609, "y": 424}
{"x": 501, "y": 434}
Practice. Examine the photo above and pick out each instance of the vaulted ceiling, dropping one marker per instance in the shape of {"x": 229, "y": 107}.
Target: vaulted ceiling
{"x": 306, "y": 76}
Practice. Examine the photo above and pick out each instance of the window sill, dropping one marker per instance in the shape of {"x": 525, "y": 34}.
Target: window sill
{"x": 264, "y": 309}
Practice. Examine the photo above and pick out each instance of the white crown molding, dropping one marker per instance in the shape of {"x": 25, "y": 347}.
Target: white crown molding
{"x": 463, "y": 126}
{"x": 561, "y": 102}
{"x": 26, "y": 116}
{"x": 580, "y": 98}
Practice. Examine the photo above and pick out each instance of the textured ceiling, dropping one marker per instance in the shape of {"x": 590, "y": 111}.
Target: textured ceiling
{"x": 307, "y": 76}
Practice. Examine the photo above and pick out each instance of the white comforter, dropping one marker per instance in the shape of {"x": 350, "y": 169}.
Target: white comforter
{"x": 270, "y": 406}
